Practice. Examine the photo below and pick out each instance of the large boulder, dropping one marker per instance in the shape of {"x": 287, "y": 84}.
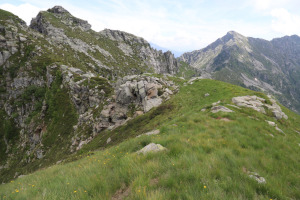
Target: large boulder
{"x": 152, "y": 147}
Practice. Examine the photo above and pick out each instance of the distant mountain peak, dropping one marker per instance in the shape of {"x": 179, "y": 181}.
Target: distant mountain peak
{"x": 234, "y": 35}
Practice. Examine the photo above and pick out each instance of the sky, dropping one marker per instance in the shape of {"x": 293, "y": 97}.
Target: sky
{"x": 178, "y": 25}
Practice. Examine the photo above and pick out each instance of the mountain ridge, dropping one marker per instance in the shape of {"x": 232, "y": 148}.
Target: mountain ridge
{"x": 61, "y": 84}
{"x": 270, "y": 66}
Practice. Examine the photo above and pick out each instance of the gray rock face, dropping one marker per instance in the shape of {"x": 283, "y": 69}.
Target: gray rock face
{"x": 159, "y": 61}
{"x": 83, "y": 97}
{"x": 143, "y": 91}
{"x": 139, "y": 92}
{"x": 152, "y": 147}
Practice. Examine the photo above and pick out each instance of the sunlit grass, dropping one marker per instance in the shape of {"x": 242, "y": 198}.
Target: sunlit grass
{"x": 204, "y": 160}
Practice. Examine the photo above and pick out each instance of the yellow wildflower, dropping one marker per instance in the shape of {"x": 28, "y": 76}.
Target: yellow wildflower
{"x": 204, "y": 186}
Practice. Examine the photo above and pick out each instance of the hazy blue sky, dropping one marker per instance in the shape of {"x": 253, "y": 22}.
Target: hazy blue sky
{"x": 175, "y": 24}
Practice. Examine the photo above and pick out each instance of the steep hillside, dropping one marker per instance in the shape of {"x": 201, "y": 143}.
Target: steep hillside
{"x": 220, "y": 143}
{"x": 270, "y": 66}
{"x": 61, "y": 84}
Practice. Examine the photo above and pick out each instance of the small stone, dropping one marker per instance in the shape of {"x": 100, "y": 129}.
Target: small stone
{"x": 258, "y": 178}
{"x": 216, "y": 109}
{"x": 108, "y": 140}
{"x": 207, "y": 94}
{"x": 203, "y": 109}
{"x": 278, "y": 129}
{"x": 271, "y": 123}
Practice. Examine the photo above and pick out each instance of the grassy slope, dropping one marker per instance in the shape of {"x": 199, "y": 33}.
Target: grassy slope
{"x": 205, "y": 157}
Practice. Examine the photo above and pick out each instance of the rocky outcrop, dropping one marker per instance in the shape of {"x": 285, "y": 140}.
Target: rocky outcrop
{"x": 88, "y": 91}
{"x": 146, "y": 91}
{"x": 137, "y": 94}
{"x": 260, "y": 104}
{"x": 59, "y": 36}
{"x": 68, "y": 19}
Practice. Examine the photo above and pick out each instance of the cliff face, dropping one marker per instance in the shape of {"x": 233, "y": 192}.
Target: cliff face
{"x": 130, "y": 45}
{"x": 270, "y": 66}
{"x": 61, "y": 84}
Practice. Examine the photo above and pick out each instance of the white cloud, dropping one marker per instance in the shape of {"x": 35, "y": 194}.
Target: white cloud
{"x": 24, "y": 11}
{"x": 285, "y": 22}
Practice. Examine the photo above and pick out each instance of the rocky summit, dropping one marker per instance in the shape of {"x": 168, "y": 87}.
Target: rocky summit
{"x": 103, "y": 115}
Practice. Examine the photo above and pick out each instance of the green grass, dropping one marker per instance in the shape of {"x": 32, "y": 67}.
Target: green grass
{"x": 5, "y": 15}
{"x": 186, "y": 71}
{"x": 204, "y": 160}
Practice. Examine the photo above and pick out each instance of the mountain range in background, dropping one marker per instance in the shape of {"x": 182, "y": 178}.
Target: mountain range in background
{"x": 269, "y": 66}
